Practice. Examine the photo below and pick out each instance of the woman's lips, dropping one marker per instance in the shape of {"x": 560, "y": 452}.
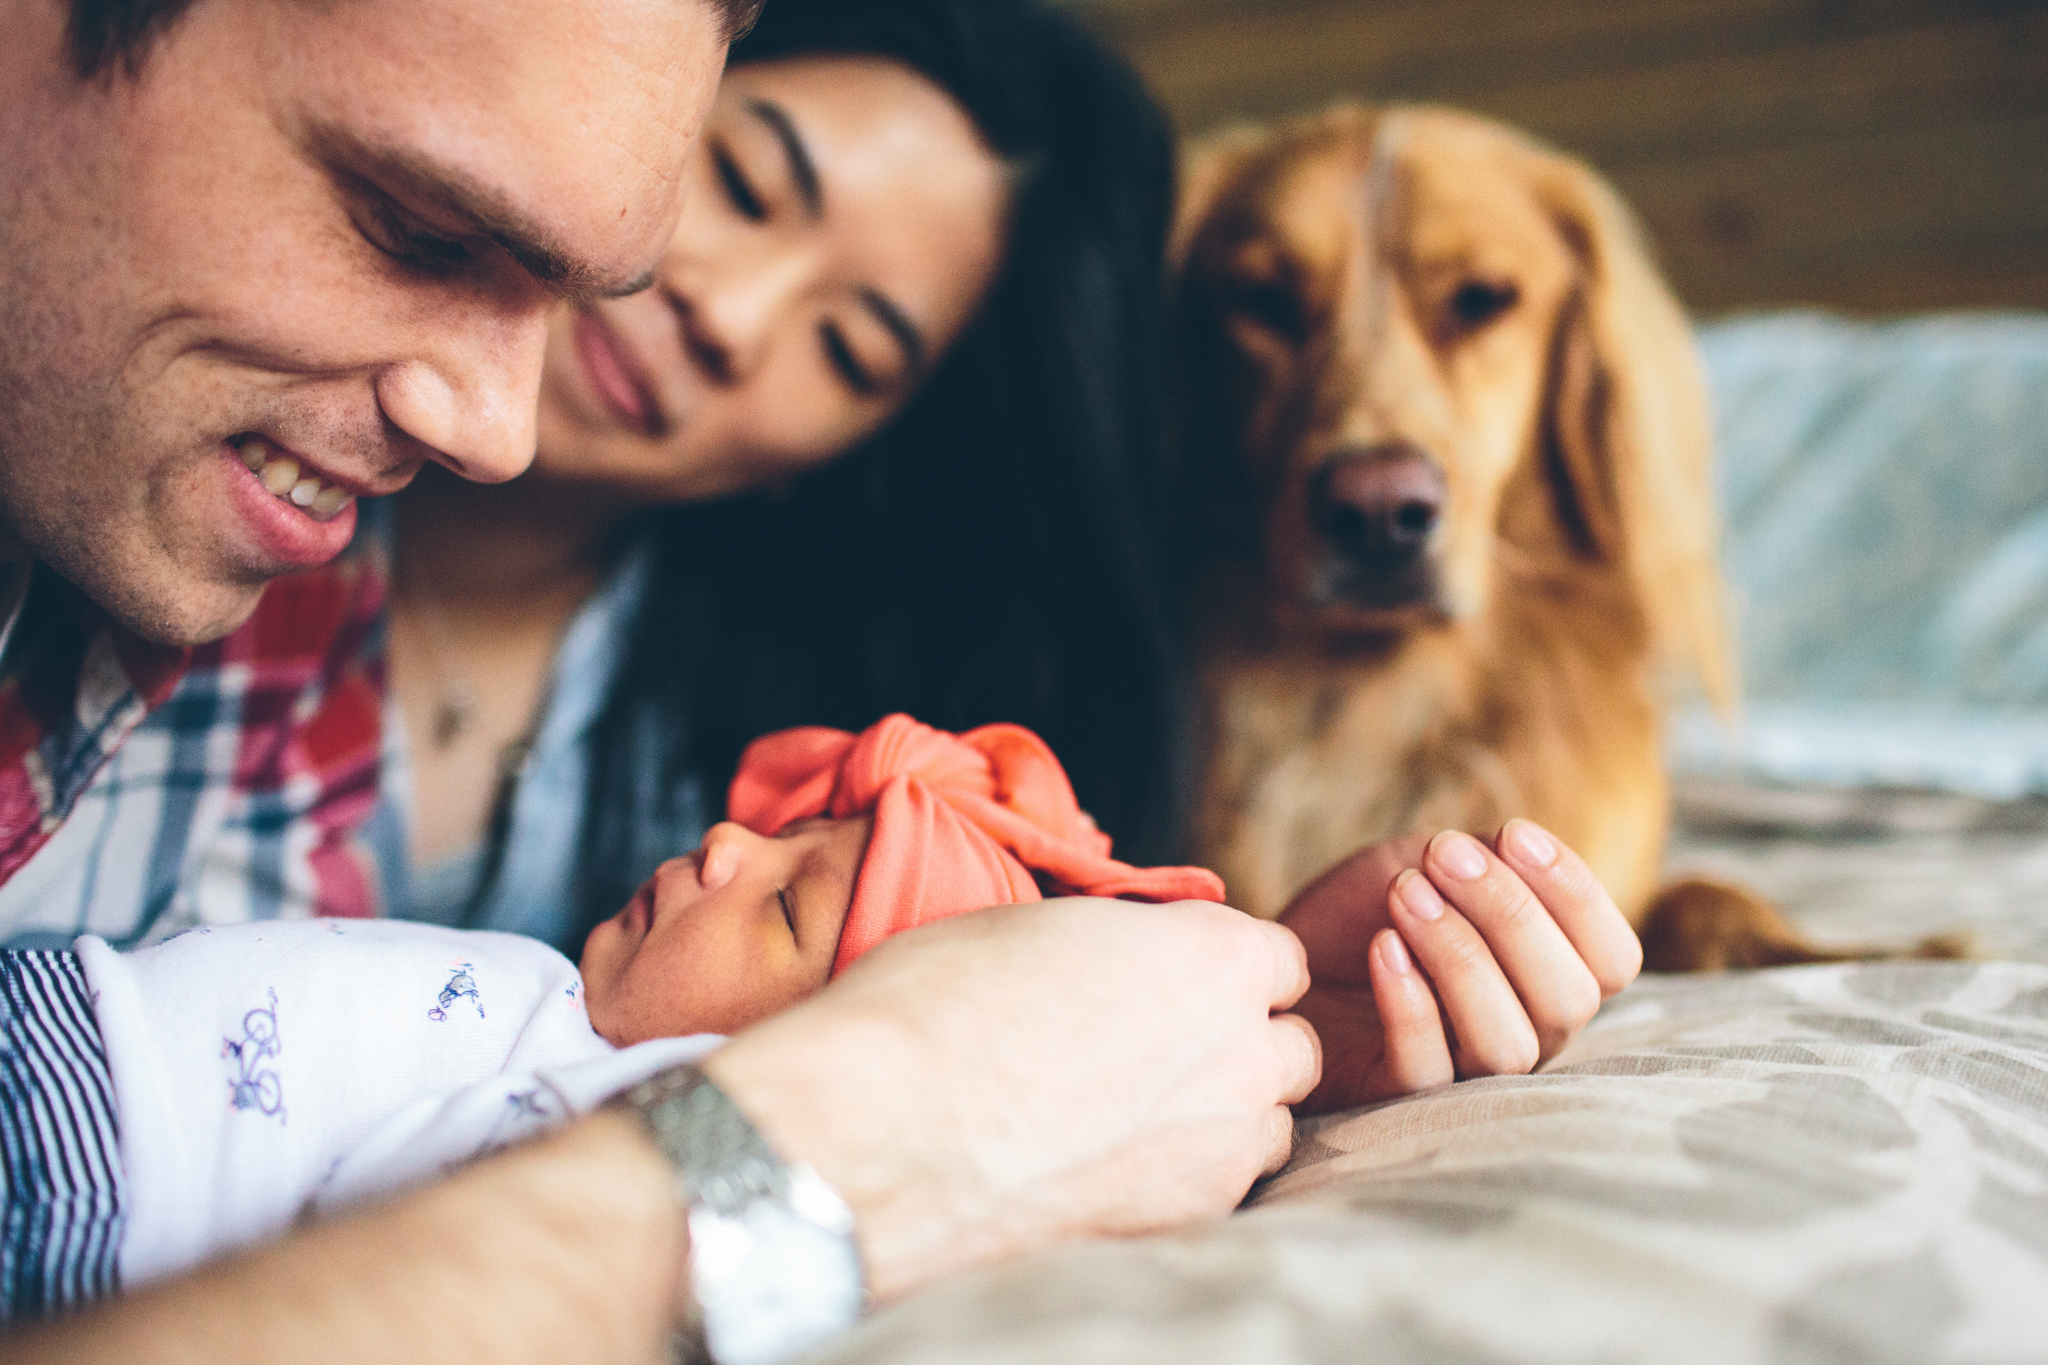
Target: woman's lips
{"x": 613, "y": 374}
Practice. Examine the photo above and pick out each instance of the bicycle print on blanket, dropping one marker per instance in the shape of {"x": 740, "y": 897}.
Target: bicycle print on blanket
{"x": 461, "y": 986}
{"x": 258, "y": 1087}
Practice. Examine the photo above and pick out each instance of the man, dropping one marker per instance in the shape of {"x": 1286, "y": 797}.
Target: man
{"x": 261, "y": 257}
{"x": 242, "y": 244}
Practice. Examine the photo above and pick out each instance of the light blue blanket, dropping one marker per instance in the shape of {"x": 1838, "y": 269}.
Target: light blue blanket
{"x": 1885, "y": 494}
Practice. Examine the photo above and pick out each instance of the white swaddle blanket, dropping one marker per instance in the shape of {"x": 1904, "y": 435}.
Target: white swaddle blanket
{"x": 266, "y": 1072}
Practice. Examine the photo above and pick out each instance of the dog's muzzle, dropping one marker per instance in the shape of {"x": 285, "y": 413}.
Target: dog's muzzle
{"x": 1374, "y": 512}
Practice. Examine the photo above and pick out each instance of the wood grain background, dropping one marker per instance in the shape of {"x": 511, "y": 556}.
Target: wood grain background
{"x": 1870, "y": 155}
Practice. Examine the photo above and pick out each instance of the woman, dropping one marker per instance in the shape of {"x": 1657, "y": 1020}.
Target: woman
{"x": 885, "y": 436}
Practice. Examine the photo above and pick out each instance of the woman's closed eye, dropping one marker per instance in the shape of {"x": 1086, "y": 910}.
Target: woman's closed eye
{"x": 872, "y": 345}
{"x": 788, "y": 908}
{"x": 739, "y": 190}
{"x": 849, "y": 367}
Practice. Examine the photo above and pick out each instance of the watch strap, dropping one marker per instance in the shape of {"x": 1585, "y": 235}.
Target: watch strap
{"x": 774, "y": 1267}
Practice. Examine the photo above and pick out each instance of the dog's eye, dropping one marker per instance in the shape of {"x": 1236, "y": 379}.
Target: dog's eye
{"x": 1271, "y": 305}
{"x": 1478, "y": 302}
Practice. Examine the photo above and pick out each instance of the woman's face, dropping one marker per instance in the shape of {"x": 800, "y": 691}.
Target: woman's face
{"x": 843, "y": 221}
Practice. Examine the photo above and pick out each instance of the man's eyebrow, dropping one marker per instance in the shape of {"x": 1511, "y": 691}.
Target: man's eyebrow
{"x": 482, "y": 210}
{"x": 802, "y": 169}
{"x": 644, "y": 280}
{"x": 900, "y": 326}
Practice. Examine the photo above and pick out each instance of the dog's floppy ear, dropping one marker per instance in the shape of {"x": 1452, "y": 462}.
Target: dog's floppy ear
{"x": 1631, "y": 431}
{"x": 1206, "y": 168}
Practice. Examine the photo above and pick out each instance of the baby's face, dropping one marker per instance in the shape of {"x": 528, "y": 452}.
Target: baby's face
{"x": 726, "y": 936}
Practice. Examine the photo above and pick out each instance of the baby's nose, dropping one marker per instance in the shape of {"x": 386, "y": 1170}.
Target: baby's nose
{"x": 726, "y": 846}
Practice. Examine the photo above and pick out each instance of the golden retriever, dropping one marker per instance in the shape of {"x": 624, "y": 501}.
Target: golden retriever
{"x": 1448, "y": 446}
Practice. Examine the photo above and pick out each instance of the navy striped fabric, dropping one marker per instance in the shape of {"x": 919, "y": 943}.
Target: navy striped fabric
{"x": 60, "y": 1162}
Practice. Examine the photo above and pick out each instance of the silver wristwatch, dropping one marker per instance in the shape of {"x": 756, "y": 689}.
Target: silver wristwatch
{"x": 773, "y": 1263}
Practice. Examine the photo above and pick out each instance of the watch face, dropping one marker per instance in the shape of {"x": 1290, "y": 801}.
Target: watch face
{"x": 773, "y": 1261}
{"x": 770, "y": 1282}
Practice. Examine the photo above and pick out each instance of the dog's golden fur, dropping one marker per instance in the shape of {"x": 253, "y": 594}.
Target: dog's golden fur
{"x": 1453, "y": 522}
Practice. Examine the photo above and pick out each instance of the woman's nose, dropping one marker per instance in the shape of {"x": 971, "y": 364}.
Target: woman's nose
{"x": 732, "y": 317}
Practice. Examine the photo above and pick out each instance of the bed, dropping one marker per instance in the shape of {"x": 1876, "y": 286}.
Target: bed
{"x": 1814, "y": 1164}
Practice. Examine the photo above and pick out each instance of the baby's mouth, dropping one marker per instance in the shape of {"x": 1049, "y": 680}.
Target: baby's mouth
{"x": 282, "y": 475}
{"x": 640, "y": 910}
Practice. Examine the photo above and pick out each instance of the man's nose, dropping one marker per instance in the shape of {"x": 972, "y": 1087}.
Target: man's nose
{"x": 472, "y": 395}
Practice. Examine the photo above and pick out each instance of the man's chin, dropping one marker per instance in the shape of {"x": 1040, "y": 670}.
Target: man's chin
{"x": 183, "y": 628}
{"x": 177, "y": 614}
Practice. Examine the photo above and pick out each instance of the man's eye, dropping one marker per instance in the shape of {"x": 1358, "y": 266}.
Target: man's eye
{"x": 737, "y": 188}
{"x": 857, "y": 376}
{"x": 406, "y": 242}
{"x": 788, "y": 910}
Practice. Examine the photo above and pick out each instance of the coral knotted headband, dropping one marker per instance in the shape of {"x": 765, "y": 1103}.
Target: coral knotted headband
{"x": 961, "y": 822}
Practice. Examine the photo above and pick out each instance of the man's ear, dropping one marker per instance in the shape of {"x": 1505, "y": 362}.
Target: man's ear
{"x": 1630, "y": 431}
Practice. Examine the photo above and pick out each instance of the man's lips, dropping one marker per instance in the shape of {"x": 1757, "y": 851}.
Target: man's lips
{"x": 292, "y": 525}
{"x": 615, "y": 375}
{"x": 291, "y": 477}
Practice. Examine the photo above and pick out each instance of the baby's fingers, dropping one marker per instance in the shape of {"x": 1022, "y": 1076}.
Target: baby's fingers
{"x": 1577, "y": 901}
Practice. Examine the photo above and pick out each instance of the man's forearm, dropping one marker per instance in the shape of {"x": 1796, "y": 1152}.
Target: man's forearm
{"x": 570, "y": 1248}
{"x": 975, "y": 1089}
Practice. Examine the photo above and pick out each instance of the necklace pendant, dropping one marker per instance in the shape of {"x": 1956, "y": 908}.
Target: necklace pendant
{"x": 456, "y": 713}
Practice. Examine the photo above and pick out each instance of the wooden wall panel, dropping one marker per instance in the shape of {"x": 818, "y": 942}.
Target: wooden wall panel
{"x": 1863, "y": 154}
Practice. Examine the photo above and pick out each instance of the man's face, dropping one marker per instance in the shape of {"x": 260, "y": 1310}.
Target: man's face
{"x": 309, "y": 247}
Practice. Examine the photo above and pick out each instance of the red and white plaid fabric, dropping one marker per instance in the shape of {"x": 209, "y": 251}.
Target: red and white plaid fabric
{"x": 144, "y": 790}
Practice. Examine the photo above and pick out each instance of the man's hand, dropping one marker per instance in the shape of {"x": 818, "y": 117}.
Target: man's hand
{"x": 1023, "y": 1076}
{"x": 1438, "y": 958}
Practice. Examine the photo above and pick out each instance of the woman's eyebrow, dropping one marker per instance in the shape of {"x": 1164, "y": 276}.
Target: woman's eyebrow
{"x": 901, "y": 327}
{"x": 802, "y": 169}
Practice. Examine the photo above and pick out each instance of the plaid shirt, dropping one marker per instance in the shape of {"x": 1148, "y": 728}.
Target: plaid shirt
{"x": 144, "y": 789}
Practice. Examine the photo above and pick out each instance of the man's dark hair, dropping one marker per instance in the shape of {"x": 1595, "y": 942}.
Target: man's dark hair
{"x": 106, "y": 31}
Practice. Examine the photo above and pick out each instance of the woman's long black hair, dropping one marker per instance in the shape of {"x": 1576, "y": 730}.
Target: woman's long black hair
{"x": 996, "y": 553}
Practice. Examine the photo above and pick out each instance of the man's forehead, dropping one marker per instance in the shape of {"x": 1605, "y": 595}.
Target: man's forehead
{"x": 558, "y": 127}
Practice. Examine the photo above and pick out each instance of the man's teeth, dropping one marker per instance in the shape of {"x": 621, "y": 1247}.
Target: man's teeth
{"x": 281, "y": 475}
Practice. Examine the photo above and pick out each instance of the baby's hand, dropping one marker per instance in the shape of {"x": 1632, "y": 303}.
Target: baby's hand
{"x": 1433, "y": 959}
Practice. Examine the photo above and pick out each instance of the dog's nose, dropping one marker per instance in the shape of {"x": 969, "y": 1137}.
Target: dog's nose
{"x": 1376, "y": 507}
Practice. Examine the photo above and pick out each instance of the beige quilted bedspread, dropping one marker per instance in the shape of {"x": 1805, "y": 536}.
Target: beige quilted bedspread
{"x": 1822, "y": 1164}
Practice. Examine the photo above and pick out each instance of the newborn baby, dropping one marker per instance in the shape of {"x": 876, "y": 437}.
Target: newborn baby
{"x": 263, "y": 1071}
{"x": 836, "y": 842}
